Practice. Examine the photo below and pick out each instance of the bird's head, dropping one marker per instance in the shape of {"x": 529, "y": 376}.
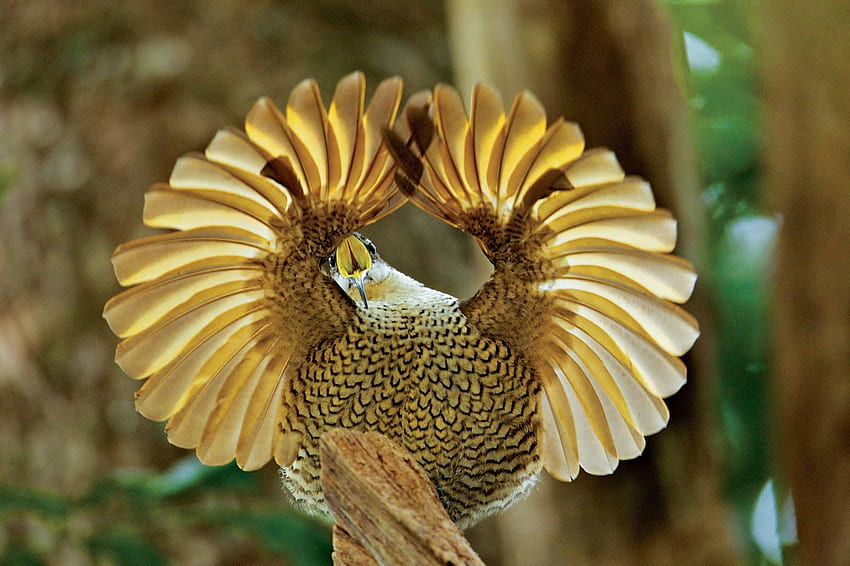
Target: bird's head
{"x": 355, "y": 264}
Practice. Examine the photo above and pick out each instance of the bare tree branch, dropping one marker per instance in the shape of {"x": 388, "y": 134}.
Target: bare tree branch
{"x": 385, "y": 506}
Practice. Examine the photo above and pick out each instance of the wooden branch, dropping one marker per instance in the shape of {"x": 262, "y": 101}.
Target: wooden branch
{"x": 349, "y": 552}
{"x": 386, "y": 509}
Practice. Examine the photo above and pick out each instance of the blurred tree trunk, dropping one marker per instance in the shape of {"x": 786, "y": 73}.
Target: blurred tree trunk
{"x": 609, "y": 67}
{"x": 806, "y": 79}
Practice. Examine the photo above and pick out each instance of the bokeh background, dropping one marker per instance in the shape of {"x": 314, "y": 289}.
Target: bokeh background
{"x": 737, "y": 113}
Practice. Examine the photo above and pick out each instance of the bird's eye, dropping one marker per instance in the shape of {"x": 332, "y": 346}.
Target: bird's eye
{"x": 370, "y": 246}
{"x": 328, "y": 265}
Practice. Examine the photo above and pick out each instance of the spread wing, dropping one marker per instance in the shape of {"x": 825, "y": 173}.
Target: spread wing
{"x": 584, "y": 283}
{"x": 220, "y": 309}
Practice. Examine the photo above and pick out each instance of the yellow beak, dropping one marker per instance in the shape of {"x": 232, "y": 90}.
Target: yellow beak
{"x": 354, "y": 261}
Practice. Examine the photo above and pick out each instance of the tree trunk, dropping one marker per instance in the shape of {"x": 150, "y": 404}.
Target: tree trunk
{"x": 806, "y": 78}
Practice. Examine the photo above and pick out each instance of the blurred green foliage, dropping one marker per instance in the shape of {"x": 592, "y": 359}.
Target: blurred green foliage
{"x": 6, "y": 179}
{"x": 721, "y": 82}
{"x": 126, "y": 517}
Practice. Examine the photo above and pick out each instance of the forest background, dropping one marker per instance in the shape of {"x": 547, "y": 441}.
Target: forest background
{"x": 736, "y": 112}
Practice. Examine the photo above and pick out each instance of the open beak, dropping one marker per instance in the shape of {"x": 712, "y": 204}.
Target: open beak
{"x": 354, "y": 262}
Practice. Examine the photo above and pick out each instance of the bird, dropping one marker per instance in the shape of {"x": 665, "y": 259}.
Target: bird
{"x": 262, "y": 318}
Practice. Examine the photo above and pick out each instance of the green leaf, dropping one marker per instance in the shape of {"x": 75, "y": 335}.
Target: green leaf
{"x": 184, "y": 478}
{"x": 187, "y": 474}
{"x": 20, "y": 556}
{"x": 125, "y": 549}
{"x": 303, "y": 540}
{"x": 7, "y": 177}
{"x": 43, "y": 504}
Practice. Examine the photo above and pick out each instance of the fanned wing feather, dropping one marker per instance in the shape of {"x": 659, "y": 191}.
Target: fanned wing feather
{"x": 136, "y": 309}
{"x": 307, "y": 120}
{"x": 372, "y": 164}
{"x": 190, "y": 422}
{"x": 343, "y": 129}
{"x": 198, "y": 208}
{"x": 256, "y": 444}
{"x": 486, "y": 119}
{"x": 524, "y": 128}
{"x": 220, "y": 437}
{"x": 649, "y": 232}
{"x": 669, "y": 277}
{"x": 268, "y": 130}
{"x": 144, "y": 353}
{"x": 563, "y": 143}
{"x": 583, "y": 284}
{"x": 210, "y": 319}
{"x": 673, "y": 329}
{"x": 164, "y": 393}
{"x": 231, "y": 147}
{"x": 560, "y": 451}
{"x": 660, "y": 372}
{"x": 196, "y": 172}
{"x": 150, "y": 258}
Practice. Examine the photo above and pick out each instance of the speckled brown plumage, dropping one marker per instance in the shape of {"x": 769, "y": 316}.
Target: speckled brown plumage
{"x": 464, "y": 404}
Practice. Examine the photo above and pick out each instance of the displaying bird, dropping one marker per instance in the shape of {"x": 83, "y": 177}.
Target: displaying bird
{"x": 264, "y": 319}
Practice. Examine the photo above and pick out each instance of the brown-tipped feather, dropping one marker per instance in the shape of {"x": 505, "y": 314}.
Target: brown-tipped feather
{"x": 405, "y": 185}
{"x": 406, "y": 159}
{"x": 420, "y": 124}
{"x": 540, "y": 189}
{"x": 280, "y": 169}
